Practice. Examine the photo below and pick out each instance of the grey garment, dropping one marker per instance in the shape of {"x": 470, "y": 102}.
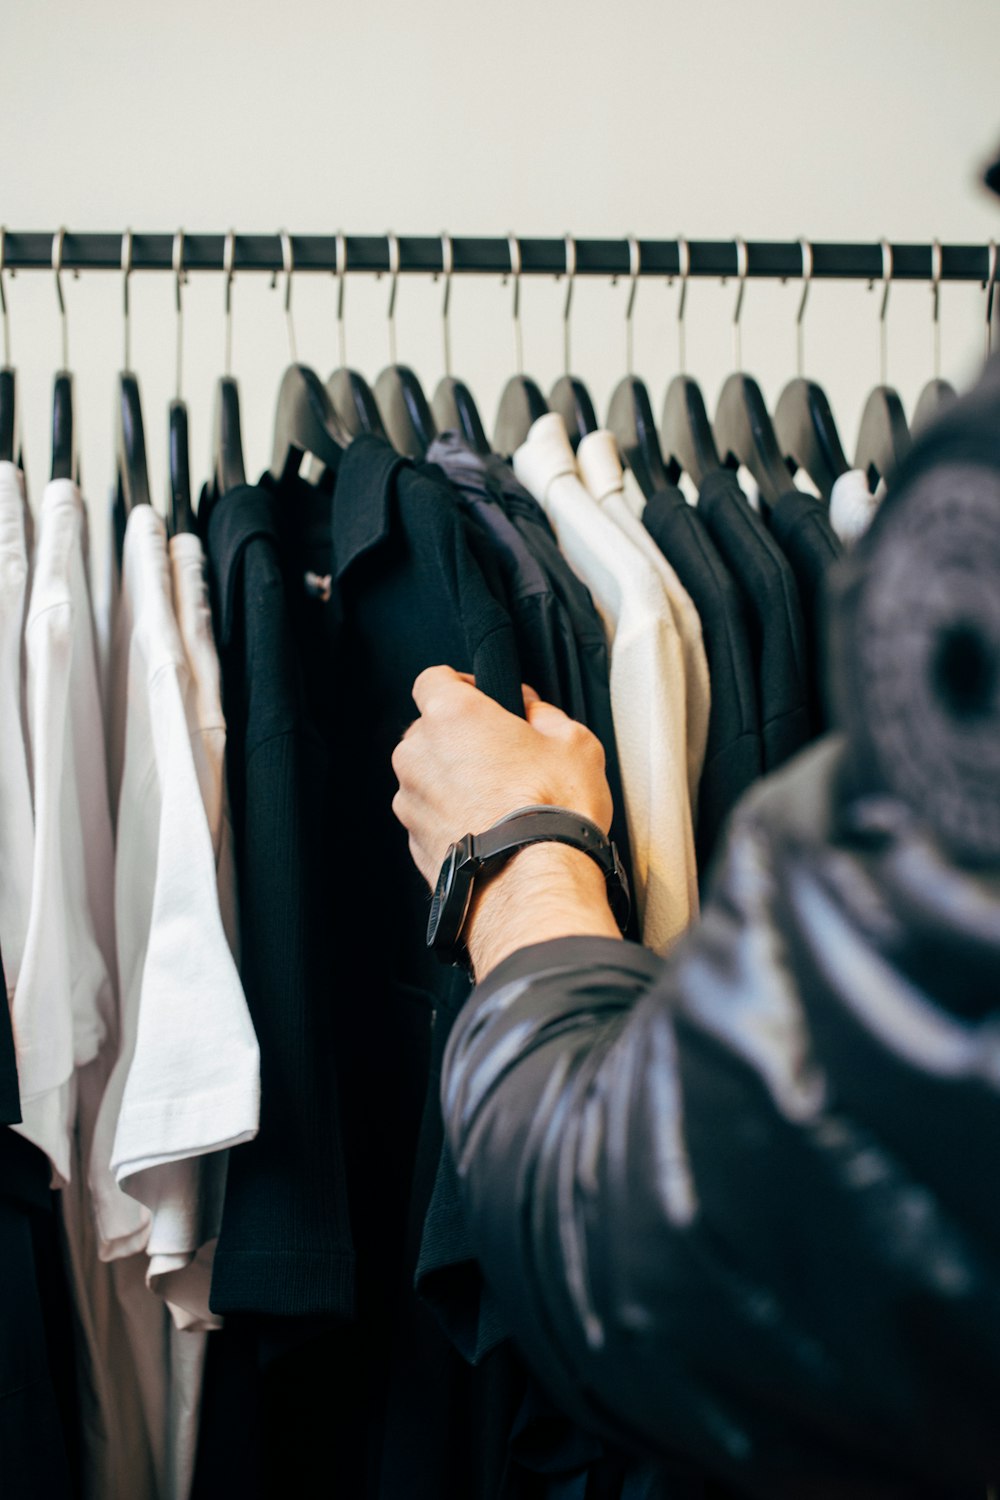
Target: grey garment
{"x": 565, "y": 633}
{"x": 735, "y": 1205}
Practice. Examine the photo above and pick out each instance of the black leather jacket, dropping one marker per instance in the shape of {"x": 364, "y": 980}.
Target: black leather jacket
{"x": 744, "y": 1205}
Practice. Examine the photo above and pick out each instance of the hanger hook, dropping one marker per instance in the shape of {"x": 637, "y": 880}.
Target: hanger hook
{"x": 807, "y": 275}
{"x": 883, "y": 340}
{"x": 447, "y": 267}
{"x": 288, "y": 266}
{"x": 126, "y": 273}
{"x": 340, "y": 271}
{"x": 393, "y": 242}
{"x": 228, "y": 263}
{"x": 570, "y": 244}
{"x": 177, "y": 259}
{"x": 742, "y": 268}
{"x": 634, "y": 268}
{"x": 989, "y": 286}
{"x": 58, "y": 243}
{"x": 514, "y": 247}
{"x": 3, "y": 298}
{"x": 683, "y": 271}
{"x": 936, "y": 264}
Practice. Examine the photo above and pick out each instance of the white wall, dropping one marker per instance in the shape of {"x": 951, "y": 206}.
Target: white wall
{"x": 770, "y": 118}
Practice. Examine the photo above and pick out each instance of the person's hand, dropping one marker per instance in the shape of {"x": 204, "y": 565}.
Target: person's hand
{"x": 464, "y": 763}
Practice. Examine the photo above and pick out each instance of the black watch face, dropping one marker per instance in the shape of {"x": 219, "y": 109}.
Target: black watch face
{"x": 450, "y": 902}
{"x": 442, "y": 890}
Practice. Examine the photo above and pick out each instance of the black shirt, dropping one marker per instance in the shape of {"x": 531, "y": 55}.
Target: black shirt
{"x": 285, "y": 1243}
{"x": 733, "y": 751}
{"x": 774, "y": 613}
{"x": 577, "y": 632}
{"x": 801, "y": 526}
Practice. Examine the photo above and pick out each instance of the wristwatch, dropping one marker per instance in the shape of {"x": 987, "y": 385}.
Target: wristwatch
{"x": 483, "y": 853}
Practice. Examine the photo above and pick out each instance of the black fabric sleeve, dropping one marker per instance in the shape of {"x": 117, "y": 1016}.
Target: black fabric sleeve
{"x": 707, "y": 1230}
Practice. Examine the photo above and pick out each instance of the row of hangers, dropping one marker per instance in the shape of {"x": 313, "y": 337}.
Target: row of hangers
{"x": 321, "y": 420}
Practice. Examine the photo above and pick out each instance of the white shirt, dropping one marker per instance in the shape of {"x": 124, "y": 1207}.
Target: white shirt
{"x": 852, "y": 506}
{"x": 17, "y": 834}
{"x": 646, "y": 680}
{"x": 65, "y": 1003}
{"x": 601, "y": 471}
{"x": 187, "y": 1079}
{"x": 186, "y": 1083}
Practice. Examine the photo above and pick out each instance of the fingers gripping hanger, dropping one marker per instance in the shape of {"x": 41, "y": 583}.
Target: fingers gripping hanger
{"x": 10, "y": 435}
{"x": 405, "y": 412}
{"x": 65, "y": 464}
{"x": 178, "y": 447}
{"x": 743, "y": 428}
{"x": 305, "y": 421}
{"x": 803, "y": 420}
{"x": 883, "y": 437}
{"x": 630, "y": 412}
{"x": 569, "y": 396}
{"x": 130, "y": 442}
{"x": 453, "y": 405}
{"x": 937, "y": 394}
{"x": 687, "y": 439}
{"x": 521, "y": 402}
{"x": 228, "y": 468}
{"x": 350, "y": 394}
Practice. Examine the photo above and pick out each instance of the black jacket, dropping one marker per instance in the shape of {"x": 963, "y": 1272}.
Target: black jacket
{"x": 734, "y": 1205}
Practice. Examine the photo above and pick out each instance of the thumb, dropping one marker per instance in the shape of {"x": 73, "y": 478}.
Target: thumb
{"x": 547, "y": 719}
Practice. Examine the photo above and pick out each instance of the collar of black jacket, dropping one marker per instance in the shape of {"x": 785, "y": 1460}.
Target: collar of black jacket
{"x": 362, "y": 498}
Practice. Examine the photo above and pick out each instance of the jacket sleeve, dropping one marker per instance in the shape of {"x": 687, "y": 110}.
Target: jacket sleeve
{"x": 731, "y": 1203}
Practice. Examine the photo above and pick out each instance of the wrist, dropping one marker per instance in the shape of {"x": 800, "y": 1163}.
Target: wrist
{"x": 543, "y": 891}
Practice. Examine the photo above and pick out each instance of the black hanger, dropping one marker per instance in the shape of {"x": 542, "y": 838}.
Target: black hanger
{"x": 630, "y": 418}
{"x": 455, "y": 410}
{"x": 745, "y": 435}
{"x": 687, "y": 442}
{"x": 404, "y": 409}
{"x": 350, "y": 394}
{"x": 744, "y": 432}
{"x": 228, "y": 468}
{"x": 521, "y": 401}
{"x": 936, "y": 396}
{"x": 884, "y": 436}
{"x": 181, "y": 510}
{"x": 453, "y": 405}
{"x": 305, "y": 422}
{"x": 64, "y": 459}
{"x": 569, "y": 396}
{"x": 8, "y": 415}
{"x": 803, "y": 420}
{"x": 807, "y": 434}
{"x": 130, "y": 445}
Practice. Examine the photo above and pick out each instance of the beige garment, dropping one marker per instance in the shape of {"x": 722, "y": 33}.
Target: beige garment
{"x": 601, "y": 471}
{"x": 646, "y": 679}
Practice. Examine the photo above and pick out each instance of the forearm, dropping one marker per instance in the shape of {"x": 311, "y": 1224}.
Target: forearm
{"x": 545, "y": 891}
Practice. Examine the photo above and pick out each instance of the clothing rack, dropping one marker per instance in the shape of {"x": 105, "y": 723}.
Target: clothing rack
{"x": 34, "y": 251}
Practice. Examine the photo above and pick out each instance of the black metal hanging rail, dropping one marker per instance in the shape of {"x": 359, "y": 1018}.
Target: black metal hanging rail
{"x": 32, "y": 251}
